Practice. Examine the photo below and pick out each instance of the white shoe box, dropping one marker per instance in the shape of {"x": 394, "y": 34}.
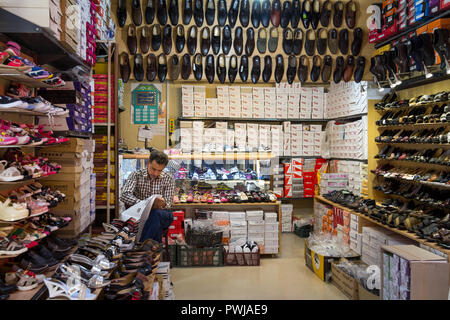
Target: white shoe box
{"x": 271, "y": 226}
{"x": 238, "y": 217}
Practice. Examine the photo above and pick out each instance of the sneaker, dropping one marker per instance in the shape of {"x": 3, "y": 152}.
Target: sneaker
{"x": 7, "y": 102}
{"x": 11, "y": 247}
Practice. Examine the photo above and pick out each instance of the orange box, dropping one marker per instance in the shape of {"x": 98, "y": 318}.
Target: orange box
{"x": 438, "y": 24}
{"x": 387, "y": 3}
{"x": 346, "y": 221}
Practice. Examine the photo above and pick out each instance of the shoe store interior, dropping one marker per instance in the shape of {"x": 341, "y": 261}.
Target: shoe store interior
{"x": 224, "y": 150}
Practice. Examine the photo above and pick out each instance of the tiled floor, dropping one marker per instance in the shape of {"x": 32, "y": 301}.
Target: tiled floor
{"x": 277, "y": 278}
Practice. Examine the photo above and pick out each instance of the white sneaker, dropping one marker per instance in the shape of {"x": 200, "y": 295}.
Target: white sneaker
{"x": 55, "y": 111}
{"x": 7, "y": 102}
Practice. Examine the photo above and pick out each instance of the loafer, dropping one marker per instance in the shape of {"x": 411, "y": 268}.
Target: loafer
{"x": 192, "y": 40}
{"x": 233, "y": 13}
{"x": 156, "y": 37}
{"x": 267, "y": 72}
{"x": 187, "y": 12}
{"x": 256, "y": 13}
{"x": 315, "y": 14}
{"x": 243, "y": 68}
{"x": 310, "y": 44}
{"x": 296, "y": 13}
{"x": 315, "y": 70}
{"x": 339, "y": 69}
{"x": 238, "y": 43}
{"x": 215, "y": 40}
{"x": 327, "y": 68}
{"x": 226, "y": 39}
{"x": 286, "y": 14}
{"x": 303, "y": 68}
{"x": 256, "y": 69}
{"x": 210, "y": 13}
{"x": 173, "y": 12}
{"x": 131, "y": 39}
{"x": 401, "y": 58}
{"x": 222, "y": 12}
{"x": 138, "y": 68}
{"x": 244, "y": 14}
{"x": 350, "y": 14}
{"x": 338, "y": 14}
{"x": 350, "y": 66}
{"x": 357, "y": 41}
{"x": 333, "y": 41}
{"x": 125, "y": 68}
{"x": 279, "y": 68}
{"x": 150, "y": 11}
{"x": 180, "y": 40}
{"x": 144, "y": 41}
{"x": 205, "y": 42}
{"x": 136, "y": 13}
{"x": 198, "y": 12}
{"x": 306, "y": 13}
{"x": 322, "y": 39}
{"x": 167, "y": 39}
{"x": 298, "y": 41}
{"x": 209, "y": 68}
{"x": 273, "y": 39}
{"x": 275, "y": 13}
{"x": 151, "y": 67}
{"x": 221, "y": 68}
{"x": 174, "y": 67}
{"x": 197, "y": 67}
{"x": 162, "y": 67}
{"x": 261, "y": 43}
{"x": 291, "y": 71}
{"x": 186, "y": 66}
{"x": 343, "y": 41}
{"x": 325, "y": 15}
{"x": 250, "y": 42}
{"x": 265, "y": 13}
{"x": 233, "y": 68}
{"x": 122, "y": 12}
{"x": 161, "y": 12}
{"x": 359, "y": 71}
{"x": 288, "y": 41}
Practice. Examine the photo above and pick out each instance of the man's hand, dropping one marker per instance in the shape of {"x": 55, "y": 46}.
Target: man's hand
{"x": 159, "y": 203}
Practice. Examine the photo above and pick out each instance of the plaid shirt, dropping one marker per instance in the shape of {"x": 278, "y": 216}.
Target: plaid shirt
{"x": 140, "y": 186}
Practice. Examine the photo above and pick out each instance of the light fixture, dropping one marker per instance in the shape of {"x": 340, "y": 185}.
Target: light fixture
{"x": 428, "y": 74}
{"x": 391, "y": 84}
{"x": 380, "y": 88}
{"x": 397, "y": 80}
{"x": 447, "y": 66}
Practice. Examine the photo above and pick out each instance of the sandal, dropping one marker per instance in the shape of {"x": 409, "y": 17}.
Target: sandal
{"x": 57, "y": 288}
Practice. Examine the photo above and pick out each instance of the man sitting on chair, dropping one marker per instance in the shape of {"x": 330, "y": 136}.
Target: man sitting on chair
{"x": 146, "y": 182}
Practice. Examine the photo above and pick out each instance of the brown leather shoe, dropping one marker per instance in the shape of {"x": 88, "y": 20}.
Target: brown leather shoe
{"x": 131, "y": 39}
{"x": 322, "y": 39}
{"x": 144, "y": 41}
{"x": 250, "y": 42}
{"x": 315, "y": 70}
{"x": 303, "y": 67}
{"x": 151, "y": 67}
{"x": 310, "y": 42}
{"x": 338, "y": 14}
{"x": 125, "y": 68}
{"x": 291, "y": 71}
{"x": 350, "y": 14}
{"x": 138, "y": 68}
{"x": 327, "y": 68}
{"x": 401, "y": 58}
{"x": 344, "y": 41}
{"x": 186, "y": 66}
{"x": 333, "y": 41}
{"x": 174, "y": 67}
{"x": 136, "y": 13}
{"x": 348, "y": 73}
{"x": 325, "y": 15}
{"x": 275, "y": 13}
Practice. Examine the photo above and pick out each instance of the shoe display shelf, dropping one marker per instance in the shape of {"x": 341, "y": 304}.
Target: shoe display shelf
{"x": 415, "y": 163}
{"x": 421, "y": 202}
{"x": 423, "y": 145}
{"x": 210, "y": 156}
{"x": 16, "y": 74}
{"x": 427, "y": 183}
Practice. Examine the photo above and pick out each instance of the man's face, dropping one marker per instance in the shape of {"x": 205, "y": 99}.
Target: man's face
{"x": 154, "y": 169}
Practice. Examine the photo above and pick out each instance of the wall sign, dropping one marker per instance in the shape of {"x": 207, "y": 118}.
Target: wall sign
{"x": 145, "y": 100}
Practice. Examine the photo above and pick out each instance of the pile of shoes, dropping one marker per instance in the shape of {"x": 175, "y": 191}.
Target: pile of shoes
{"x": 26, "y": 134}
{"x": 433, "y": 156}
{"x": 440, "y": 178}
{"x": 35, "y": 104}
{"x": 434, "y": 136}
{"x": 215, "y": 173}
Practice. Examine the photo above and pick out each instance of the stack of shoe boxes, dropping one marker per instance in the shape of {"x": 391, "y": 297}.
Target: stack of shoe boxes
{"x": 223, "y": 101}
{"x": 286, "y": 217}
{"x": 330, "y": 182}
{"x": 320, "y": 216}
{"x": 282, "y": 95}
{"x": 93, "y": 194}
{"x": 240, "y": 136}
{"x": 88, "y": 33}
{"x": 186, "y": 136}
{"x": 356, "y": 172}
{"x": 318, "y": 103}
{"x": 101, "y": 98}
{"x": 355, "y": 236}
{"x": 271, "y": 229}
{"x": 297, "y": 178}
{"x": 246, "y": 102}
{"x": 101, "y": 169}
{"x": 103, "y": 18}
{"x": 252, "y": 137}
{"x": 288, "y": 180}
{"x": 264, "y": 137}
{"x": 345, "y": 99}
{"x": 199, "y": 101}
{"x": 197, "y": 136}
{"x": 306, "y": 103}
{"x": 278, "y": 180}
{"x": 296, "y": 132}
{"x": 235, "y": 102}
{"x": 70, "y": 35}
{"x": 277, "y": 140}
{"x": 238, "y": 226}
{"x": 176, "y": 228}
{"x": 187, "y": 100}
{"x": 309, "y": 178}
{"x": 349, "y": 140}
{"x": 270, "y": 104}
{"x": 211, "y": 107}
{"x": 255, "y": 226}
{"x": 222, "y": 220}
{"x": 258, "y": 102}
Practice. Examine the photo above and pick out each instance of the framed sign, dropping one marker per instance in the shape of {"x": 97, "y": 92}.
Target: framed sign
{"x": 146, "y": 100}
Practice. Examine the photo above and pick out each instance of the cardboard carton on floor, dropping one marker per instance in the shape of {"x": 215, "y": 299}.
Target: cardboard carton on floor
{"x": 364, "y": 294}
{"x": 345, "y": 282}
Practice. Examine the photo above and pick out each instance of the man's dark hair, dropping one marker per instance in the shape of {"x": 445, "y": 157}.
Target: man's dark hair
{"x": 159, "y": 157}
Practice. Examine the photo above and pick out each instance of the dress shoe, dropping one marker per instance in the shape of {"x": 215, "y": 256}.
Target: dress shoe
{"x": 303, "y": 68}
{"x": 256, "y": 13}
{"x": 315, "y": 70}
{"x": 267, "y": 72}
{"x": 339, "y": 69}
{"x": 286, "y": 14}
{"x": 244, "y": 14}
{"x": 131, "y": 39}
{"x": 306, "y": 13}
{"x": 327, "y": 68}
{"x": 377, "y": 67}
{"x": 122, "y": 12}
{"x": 338, "y": 14}
{"x": 161, "y": 13}
{"x": 315, "y": 14}
{"x": 187, "y": 12}
{"x": 221, "y": 68}
{"x": 173, "y": 12}
{"x": 250, "y": 42}
{"x": 210, "y": 13}
{"x": 348, "y": 73}
{"x": 256, "y": 69}
{"x": 206, "y": 41}
{"x": 198, "y": 12}
{"x": 360, "y": 66}
{"x": 298, "y": 41}
{"x": 136, "y": 12}
{"x": 222, "y": 12}
{"x": 350, "y": 14}
{"x": 167, "y": 39}
{"x": 333, "y": 41}
{"x": 265, "y": 13}
{"x": 441, "y": 43}
{"x": 226, "y": 39}
{"x": 138, "y": 68}
{"x": 275, "y": 13}
{"x": 279, "y": 68}
{"x": 197, "y": 67}
{"x": 162, "y": 67}
{"x": 322, "y": 39}
{"x": 291, "y": 69}
{"x": 192, "y": 40}
{"x": 288, "y": 41}
{"x": 150, "y": 11}
{"x": 343, "y": 41}
{"x": 180, "y": 40}
{"x": 186, "y": 66}
{"x": 174, "y": 67}
{"x": 233, "y": 68}
{"x": 215, "y": 40}
{"x": 238, "y": 43}
{"x": 156, "y": 37}
{"x": 357, "y": 41}
{"x": 325, "y": 15}
{"x": 310, "y": 44}
{"x": 401, "y": 58}
{"x": 125, "y": 68}
{"x": 209, "y": 68}
{"x": 261, "y": 43}
{"x": 144, "y": 41}
{"x": 296, "y": 13}
{"x": 273, "y": 39}
{"x": 233, "y": 13}
{"x": 243, "y": 68}
{"x": 429, "y": 58}
{"x": 416, "y": 53}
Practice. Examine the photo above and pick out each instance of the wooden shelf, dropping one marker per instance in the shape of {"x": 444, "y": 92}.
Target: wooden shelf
{"x": 205, "y": 156}
{"x": 15, "y": 74}
{"x": 411, "y": 107}
{"x": 27, "y": 112}
{"x": 423, "y": 145}
{"x": 397, "y": 196}
{"x": 416, "y": 125}
{"x": 23, "y": 181}
{"x": 425, "y": 183}
{"x": 200, "y": 204}
{"x": 426, "y": 164}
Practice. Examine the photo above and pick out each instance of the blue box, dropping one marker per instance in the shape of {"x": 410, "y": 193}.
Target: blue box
{"x": 422, "y": 11}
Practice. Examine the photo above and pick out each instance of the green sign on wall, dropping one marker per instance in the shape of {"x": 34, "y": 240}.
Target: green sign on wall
{"x": 146, "y": 100}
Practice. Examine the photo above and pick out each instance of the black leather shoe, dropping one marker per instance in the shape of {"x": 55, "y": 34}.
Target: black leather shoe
{"x": 192, "y": 40}
{"x": 162, "y": 67}
{"x": 279, "y": 68}
{"x": 310, "y": 44}
{"x": 226, "y": 39}
{"x": 291, "y": 69}
{"x": 144, "y": 41}
{"x": 350, "y": 14}
{"x": 288, "y": 41}
{"x": 327, "y": 68}
{"x": 343, "y": 41}
{"x": 125, "y": 69}
{"x": 401, "y": 58}
{"x": 222, "y": 13}
{"x": 357, "y": 42}
{"x": 205, "y": 41}
{"x": 306, "y": 13}
{"x": 325, "y": 15}
{"x": 136, "y": 12}
{"x": 122, "y": 12}
{"x": 244, "y": 14}
{"x": 156, "y": 37}
{"x": 215, "y": 40}
{"x": 233, "y": 13}
{"x": 275, "y": 13}
{"x": 187, "y": 11}
{"x": 209, "y": 68}
{"x": 303, "y": 68}
{"x": 322, "y": 39}
{"x": 161, "y": 13}
{"x": 315, "y": 70}
{"x": 233, "y": 68}
{"x": 338, "y": 14}
{"x": 267, "y": 72}
{"x": 265, "y": 13}
{"x": 186, "y": 66}
{"x": 333, "y": 41}
{"x": 198, "y": 12}
{"x": 298, "y": 41}
{"x": 243, "y": 68}
{"x": 256, "y": 13}
{"x": 210, "y": 13}
{"x": 174, "y": 67}
{"x": 173, "y": 12}
{"x": 132, "y": 39}
{"x": 167, "y": 39}
{"x": 315, "y": 14}
{"x": 296, "y": 13}
{"x": 339, "y": 69}
{"x": 286, "y": 14}
{"x": 197, "y": 67}
{"x": 221, "y": 68}
{"x": 261, "y": 43}
{"x": 441, "y": 43}
{"x": 250, "y": 42}
{"x": 416, "y": 53}
{"x": 238, "y": 43}
{"x": 180, "y": 40}
{"x": 256, "y": 69}
{"x": 273, "y": 39}
{"x": 360, "y": 66}
{"x": 429, "y": 58}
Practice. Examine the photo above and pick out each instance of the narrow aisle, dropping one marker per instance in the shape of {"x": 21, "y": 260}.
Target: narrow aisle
{"x": 282, "y": 278}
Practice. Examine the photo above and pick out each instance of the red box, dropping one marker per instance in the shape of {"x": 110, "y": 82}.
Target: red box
{"x": 445, "y": 4}
{"x": 287, "y": 168}
{"x": 288, "y": 191}
{"x": 288, "y": 179}
{"x": 297, "y": 175}
{"x": 297, "y": 162}
{"x": 178, "y": 216}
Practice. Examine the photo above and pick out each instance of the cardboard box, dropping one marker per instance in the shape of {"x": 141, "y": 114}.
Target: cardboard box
{"x": 364, "y": 294}
{"x": 344, "y": 282}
